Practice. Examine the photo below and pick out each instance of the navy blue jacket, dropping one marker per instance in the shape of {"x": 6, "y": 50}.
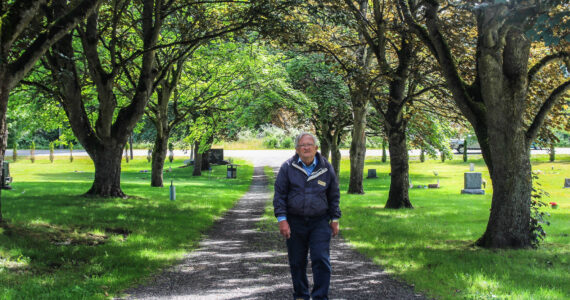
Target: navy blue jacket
{"x": 298, "y": 194}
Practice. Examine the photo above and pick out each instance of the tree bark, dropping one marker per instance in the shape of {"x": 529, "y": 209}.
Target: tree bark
{"x": 325, "y": 147}
{"x": 358, "y": 146}
{"x": 4, "y": 94}
{"x": 107, "y": 162}
{"x": 158, "y": 158}
{"x": 197, "y": 160}
{"x": 398, "y": 196}
{"x": 335, "y": 154}
{"x": 205, "y": 161}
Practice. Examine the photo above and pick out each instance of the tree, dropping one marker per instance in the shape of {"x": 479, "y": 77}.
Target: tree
{"x": 495, "y": 100}
{"x": 117, "y": 48}
{"x": 404, "y": 75}
{"x": 22, "y": 45}
{"x": 210, "y": 73}
{"x": 328, "y": 109}
{"x": 105, "y": 41}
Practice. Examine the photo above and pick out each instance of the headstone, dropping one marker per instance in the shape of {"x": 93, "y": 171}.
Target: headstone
{"x": 371, "y": 173}
{"x": 434, "y": 185}
{"x": 216, "y": 156}
{"x": 471, "y": 167}
{"x": 472, "y": 183}
{"x": 566, "y": 183}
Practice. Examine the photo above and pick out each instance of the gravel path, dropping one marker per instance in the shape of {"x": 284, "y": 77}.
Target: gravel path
{"x": 238, "y": 261}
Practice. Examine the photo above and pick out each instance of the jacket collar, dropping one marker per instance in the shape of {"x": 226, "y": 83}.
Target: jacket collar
{"x": 320, "y": 168}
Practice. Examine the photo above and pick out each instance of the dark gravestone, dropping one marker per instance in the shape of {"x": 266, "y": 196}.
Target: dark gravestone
{"x": 566, "y": 183}
{"x": 472, "y": 183}
{"x": 371, "y": 173}
{"x": 216, "y": 156}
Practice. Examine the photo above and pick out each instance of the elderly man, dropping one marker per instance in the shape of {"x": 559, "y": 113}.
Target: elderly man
{"x": 306, "y": 204}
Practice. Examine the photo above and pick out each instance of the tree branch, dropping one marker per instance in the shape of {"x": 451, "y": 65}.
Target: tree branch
{"x": 556, "y": 94}
{"x": 545, "y": 61}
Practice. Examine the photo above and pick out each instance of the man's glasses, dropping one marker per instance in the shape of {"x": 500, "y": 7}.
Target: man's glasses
{"x": 306, "y": 145}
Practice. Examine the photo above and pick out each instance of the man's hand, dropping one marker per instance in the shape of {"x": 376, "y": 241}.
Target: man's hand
{"x": 284, "y": 229}
{"x": 334, "y": 227}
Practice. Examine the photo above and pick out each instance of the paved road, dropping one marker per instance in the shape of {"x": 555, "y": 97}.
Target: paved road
{"x": 272, "y": 158}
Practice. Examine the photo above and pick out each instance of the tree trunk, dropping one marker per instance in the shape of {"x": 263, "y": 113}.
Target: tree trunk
{"x": 358, "y": 149}
{"x": 197, "y": 160}
{"x": 205, "y": 161}
{"x": 325, "y": 147}
{"x": 398, "y": 196}
{"x": 508, "y": 225}
{"x": 107, "y": 162}
{"x": 335, "y": 156}
{"x": 158, "y": 158}
{"x": 4, "y": 94}
{"x": 131, "y": 145}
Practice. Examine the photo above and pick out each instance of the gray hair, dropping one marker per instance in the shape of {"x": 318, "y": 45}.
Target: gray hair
{"x": 302, "y": 134}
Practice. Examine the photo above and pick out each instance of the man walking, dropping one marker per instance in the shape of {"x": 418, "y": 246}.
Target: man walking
{"x": 306, "y": 204}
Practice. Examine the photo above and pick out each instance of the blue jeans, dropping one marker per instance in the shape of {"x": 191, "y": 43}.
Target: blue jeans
{"x": 314, "y": 234}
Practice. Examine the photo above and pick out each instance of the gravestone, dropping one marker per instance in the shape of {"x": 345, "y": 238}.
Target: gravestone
{"x": 472, "y": 183}
{"x": 471, "y": 167}
{"x": 371, "y": 173}
{"x": 566, "y": 183}
{"x": 216, "y": 156}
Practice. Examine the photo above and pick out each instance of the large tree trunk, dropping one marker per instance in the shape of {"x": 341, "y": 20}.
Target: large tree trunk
{"x": 504, "y": 88}
{"x": 158, "y": 158}
{"x": 508, "y": 225}
{"x": 398, "y": 196}
{"x": 357, "y": 148}
{"x": 107, "y": 162}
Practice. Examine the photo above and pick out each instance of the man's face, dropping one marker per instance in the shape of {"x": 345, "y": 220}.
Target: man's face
{"x": 307, "y": 149}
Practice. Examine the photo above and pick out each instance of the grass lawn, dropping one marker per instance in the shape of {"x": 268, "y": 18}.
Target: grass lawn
{"x": 431, "y": 246}
{"x": 60, "y": 245}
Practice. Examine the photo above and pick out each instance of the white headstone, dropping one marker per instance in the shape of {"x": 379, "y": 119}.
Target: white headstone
{"x": 471, "y": 167}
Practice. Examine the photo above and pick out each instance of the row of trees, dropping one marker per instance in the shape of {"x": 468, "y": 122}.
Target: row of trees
{"x": 403, "y": 69}
{"x": 489, "y": 58}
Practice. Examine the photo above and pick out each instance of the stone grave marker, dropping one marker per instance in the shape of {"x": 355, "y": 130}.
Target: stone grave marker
{"x": 566, "y": 183}
{"x": 472, "y": 183}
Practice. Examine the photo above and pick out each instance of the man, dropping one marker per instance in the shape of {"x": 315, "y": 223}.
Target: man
{"x": 306, "y": 204}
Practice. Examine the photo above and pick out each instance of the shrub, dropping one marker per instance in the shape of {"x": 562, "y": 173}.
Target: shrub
{"x": 15, "y": 152}
{"x": 271, "y": 142}
{"x": 287, "y": 143}
{"x": 33, "y": 152}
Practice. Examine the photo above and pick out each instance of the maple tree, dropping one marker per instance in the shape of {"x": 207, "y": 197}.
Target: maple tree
{"x": 495, "y": 99}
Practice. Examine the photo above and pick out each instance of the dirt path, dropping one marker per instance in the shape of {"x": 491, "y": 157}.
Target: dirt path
{"x": 237, "y": 261}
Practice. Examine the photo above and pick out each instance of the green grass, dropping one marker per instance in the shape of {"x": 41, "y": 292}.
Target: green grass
{"x": 60, "y": 245}
{"x": 431, "y": 246}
